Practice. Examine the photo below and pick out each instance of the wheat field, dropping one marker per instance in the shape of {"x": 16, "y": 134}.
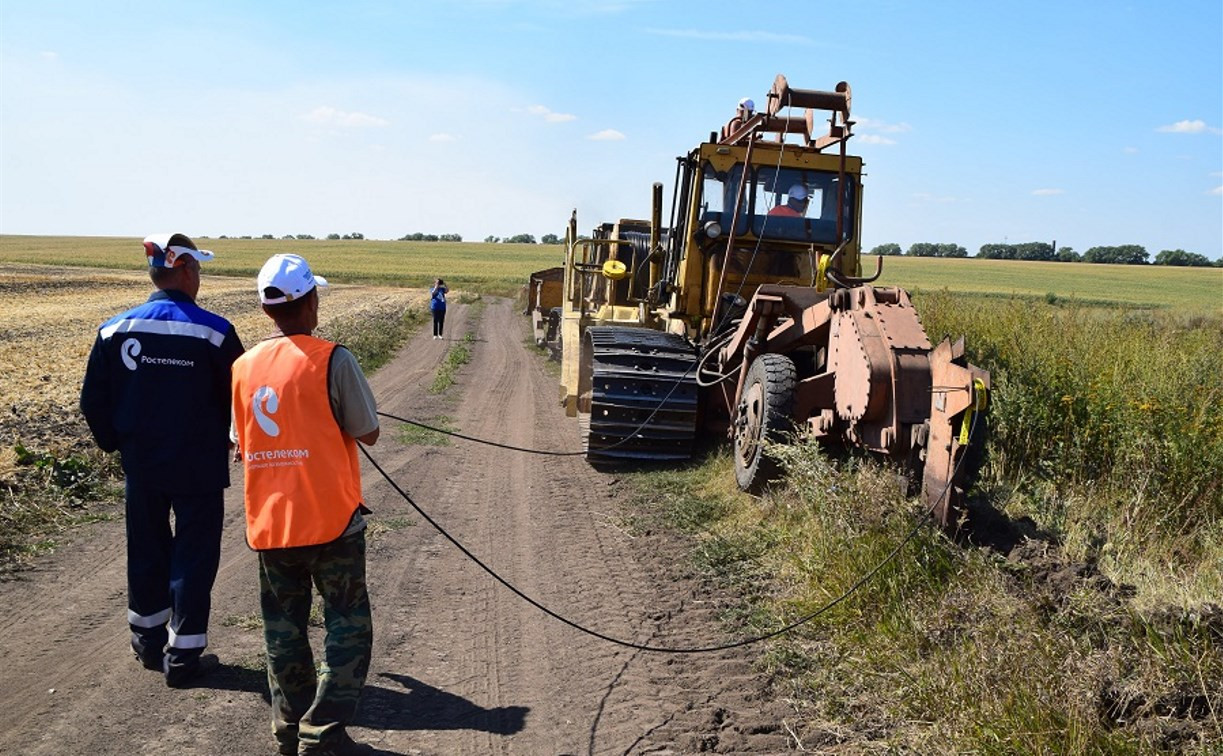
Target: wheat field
{"x": 49, "y": 317}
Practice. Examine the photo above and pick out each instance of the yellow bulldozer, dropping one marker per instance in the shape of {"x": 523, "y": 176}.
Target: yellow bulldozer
{"x": 747, "y": 314}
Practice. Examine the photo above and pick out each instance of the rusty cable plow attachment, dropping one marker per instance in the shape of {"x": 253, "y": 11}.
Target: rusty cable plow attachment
{"x": 847, "y": 282}
{"x": 921, "y": 521}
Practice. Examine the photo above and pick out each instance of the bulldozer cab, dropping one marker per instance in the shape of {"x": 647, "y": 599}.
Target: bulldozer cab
{"x": 770, "y": 211}
{"x": 764, "y": 213}
{"x": 768, "y": 201}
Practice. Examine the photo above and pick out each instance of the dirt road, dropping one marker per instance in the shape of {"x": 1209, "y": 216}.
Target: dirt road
{"x": 461, "y": 665}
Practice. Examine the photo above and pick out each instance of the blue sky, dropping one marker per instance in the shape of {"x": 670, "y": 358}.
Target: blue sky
{"x": 1089, "y": 123}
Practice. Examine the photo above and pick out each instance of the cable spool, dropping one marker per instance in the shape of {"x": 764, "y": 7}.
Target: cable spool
{"x": 615, "y": 270}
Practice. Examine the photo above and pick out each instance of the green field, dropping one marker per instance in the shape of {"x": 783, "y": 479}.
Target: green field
{"x": 1127, "y": 286}
{"x": 502, "y": 268}
{"x": 489, "y": 268}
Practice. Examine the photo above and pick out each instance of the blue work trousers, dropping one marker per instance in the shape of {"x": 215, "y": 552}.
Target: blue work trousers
{"x": 170, "y": 571}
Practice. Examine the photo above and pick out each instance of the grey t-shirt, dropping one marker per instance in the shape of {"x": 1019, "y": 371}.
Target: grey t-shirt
{"x": 352, "y": 402}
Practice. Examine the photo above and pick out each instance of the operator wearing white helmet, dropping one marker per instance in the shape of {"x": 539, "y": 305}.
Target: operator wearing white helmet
{"x": 743, "y": 111}
{"x": 795, "y": 205}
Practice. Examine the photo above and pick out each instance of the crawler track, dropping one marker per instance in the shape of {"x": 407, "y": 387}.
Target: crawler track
{"x": 642, "y": 394}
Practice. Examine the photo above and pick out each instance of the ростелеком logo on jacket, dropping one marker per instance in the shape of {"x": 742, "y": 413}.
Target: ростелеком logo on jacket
{"x": 128, "y": 351}
{"x": 266, "y": 403}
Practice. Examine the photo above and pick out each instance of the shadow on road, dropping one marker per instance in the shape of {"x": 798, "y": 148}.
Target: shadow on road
{"x": 236, "y": 678}
{"x": 422, "y": 707}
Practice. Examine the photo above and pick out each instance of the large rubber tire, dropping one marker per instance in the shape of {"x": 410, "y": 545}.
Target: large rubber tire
{"x": 764, "y": 416}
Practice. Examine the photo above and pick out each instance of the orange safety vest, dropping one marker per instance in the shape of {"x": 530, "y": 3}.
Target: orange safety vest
{"x": 302, "y": 478}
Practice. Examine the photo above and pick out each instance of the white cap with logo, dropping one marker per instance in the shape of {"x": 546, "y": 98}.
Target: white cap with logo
{"x": 168, "y": 250}
{"x": 290, "y": 274}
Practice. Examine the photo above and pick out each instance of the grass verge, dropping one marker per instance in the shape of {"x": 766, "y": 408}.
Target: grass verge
{"x": 949, "y": 648}
{"x": 458, "y": 355}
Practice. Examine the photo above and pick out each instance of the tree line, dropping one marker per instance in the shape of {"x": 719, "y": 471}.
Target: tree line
{"x": 1125, "y": 254}
{"x": 417, "y": 236}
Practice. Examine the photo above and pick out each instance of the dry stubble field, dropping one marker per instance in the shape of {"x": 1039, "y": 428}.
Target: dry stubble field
{"x": 48, "y": 320}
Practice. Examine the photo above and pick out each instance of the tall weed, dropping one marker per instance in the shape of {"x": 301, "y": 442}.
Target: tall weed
{"x": 1119, "y": 412}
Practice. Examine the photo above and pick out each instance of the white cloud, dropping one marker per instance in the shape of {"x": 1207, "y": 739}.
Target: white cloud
{"x": 1047, "y": 192}
{"x": 739, "y": 36}
{"x": 50, "y": 55}
{"x": 1130, "y": 150}
{"x": 550, "y": 116}
{"x": 331, "y": 116}
{"x": 882, "y": 127}
{"x": 607, "y": 135}
{"x": 868, "y": 130}
{"x": 442, "y": 138}
{"x": 1217, "y": 191}
{"x": 1196, "y": 126}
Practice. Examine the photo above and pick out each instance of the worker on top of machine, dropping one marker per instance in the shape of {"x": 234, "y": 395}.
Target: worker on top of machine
{"x": 743, "y": 111}
{"x": 795, "y": 205}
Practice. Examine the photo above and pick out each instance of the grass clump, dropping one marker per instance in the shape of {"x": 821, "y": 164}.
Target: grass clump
{"x": 458, "y": 355}
{"x": 46, "y": 493}
{"x": 414, "y": 435}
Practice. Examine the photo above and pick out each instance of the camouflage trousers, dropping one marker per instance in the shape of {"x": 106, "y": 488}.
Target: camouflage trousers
{"x": 313, "y": 706}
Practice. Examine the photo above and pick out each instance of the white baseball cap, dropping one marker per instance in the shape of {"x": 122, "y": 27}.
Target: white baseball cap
{"x": 165, "y": 250}
{"x": 798, "y": 192}
{"x": 290, "y": 274}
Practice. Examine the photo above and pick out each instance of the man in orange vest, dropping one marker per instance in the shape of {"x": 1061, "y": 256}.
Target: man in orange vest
{"x": 300, "y": 405}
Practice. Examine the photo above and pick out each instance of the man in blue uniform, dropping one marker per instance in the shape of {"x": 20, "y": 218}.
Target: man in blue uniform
{"x": 157, "y": 390}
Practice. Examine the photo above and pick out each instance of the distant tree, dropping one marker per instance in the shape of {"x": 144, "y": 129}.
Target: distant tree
{"x": 520, "y": 239}
{"x": 1180, "y": 257}
{"x": 887, "y": 250}
{"x": 1126, "y": 254}
{"x": 491, "y": 239}
{"x": 333, "y": 237}
{"x": 267, "y": 236}
{"x": 450, "y": 238}
{"x": 922, "y": 249}
{"x": 996, "y": 252}
{"x": 287, "y": 236}
{"x": 549, "y": 239}
{"x": 353, "y": 236}
{"x": 1034, "y": 251}
{"x": 1024, "y": 251}
{"x": 927, "y": 249}
{"x": 1067, "y": 254}
{"x": 304, "y": 236}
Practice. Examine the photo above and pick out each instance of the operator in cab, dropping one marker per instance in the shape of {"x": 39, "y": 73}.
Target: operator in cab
{"x": 795, "y": 205}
